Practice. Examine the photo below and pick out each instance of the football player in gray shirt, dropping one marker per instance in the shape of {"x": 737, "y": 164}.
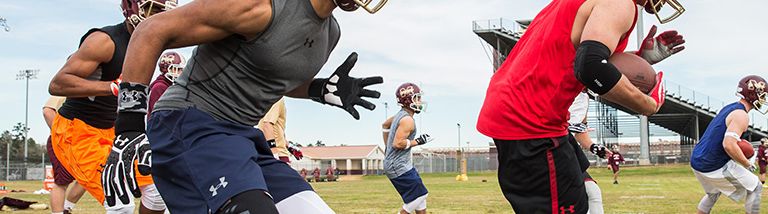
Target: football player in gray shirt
{"x": 206, "y": 156}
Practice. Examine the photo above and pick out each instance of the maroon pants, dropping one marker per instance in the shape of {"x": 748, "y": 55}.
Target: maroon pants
{"x": 60, "y": 174}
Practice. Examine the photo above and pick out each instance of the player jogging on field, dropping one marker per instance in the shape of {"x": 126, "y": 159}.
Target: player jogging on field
{"x": 399, "y": 134}
{"x": 85, "y": 125}
{"x": 718, "y": 162}
{"x": 614, "y": 161}
{"x": 250, "y": 53}
{"x": 564, "y": 49}
{"x": 762, "y": 159}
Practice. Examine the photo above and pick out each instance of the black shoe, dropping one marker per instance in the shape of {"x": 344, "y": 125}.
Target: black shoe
{"x": 615, "y": 182}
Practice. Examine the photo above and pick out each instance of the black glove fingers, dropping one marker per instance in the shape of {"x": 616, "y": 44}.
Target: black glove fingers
{"x": 365, "y": 104}
{"x": 371, "y": 81}
{"x": 369, "y": 93}
{"x": 353, "y": 112}
{"x": 344, "y": 68}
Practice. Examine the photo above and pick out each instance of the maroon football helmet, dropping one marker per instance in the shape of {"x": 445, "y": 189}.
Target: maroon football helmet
{"x": 753, "y": 89}
{"x": 171, "y": 64}
{"x": 136, "y": 11}
{"x": 409, "y": 96}
{"x": 352, "y": 5}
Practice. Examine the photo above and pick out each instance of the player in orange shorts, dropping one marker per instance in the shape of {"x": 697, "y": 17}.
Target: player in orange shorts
{"x": 83, "y": 132}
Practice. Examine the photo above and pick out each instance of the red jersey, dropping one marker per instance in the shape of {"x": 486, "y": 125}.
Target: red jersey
{"x": 615, "y": 159}
{"x": 761, "y": 154}
{"x": 529, "y": 95}
{"x": 156, "y": 89}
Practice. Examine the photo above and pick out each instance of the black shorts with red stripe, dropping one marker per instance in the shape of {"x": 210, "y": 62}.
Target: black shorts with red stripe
{"x": 541, "y": 176}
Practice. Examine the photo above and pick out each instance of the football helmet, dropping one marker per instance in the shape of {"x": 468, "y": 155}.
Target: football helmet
{"x": 753, "y": 89}
{"x": 171, "y": 64}
{"x": 136, "y": 11}
{"x": 409, "y": 96}
{"x": 655, "y": 7}
{"x": 368, "y": 5}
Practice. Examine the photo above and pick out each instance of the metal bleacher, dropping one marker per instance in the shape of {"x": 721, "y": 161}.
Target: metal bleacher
{"x": 685, "y": 112}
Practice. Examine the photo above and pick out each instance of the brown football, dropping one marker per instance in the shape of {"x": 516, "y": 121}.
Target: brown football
{"x": 636, "y": 69}
{"x": 746, "y": 148}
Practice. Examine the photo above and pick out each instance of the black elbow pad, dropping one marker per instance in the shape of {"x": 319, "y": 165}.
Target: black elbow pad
{"x": 592, "y": 68}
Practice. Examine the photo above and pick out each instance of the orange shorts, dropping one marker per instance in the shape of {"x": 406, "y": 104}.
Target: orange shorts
{"x": 83, "y": 150}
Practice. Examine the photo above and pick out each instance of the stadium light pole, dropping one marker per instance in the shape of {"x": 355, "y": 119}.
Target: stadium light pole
{"x": 645, "y": 154}
{"x": 26, "y": 75}
{"x": 458, "y": 130}
{"x": 386, "y": 110}
{"x": 4, "y": 24}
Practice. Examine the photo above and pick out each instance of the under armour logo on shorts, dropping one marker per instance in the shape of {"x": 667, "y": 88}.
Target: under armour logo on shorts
{"x": 222, "y": 184}
{"x": 566, "y": 211}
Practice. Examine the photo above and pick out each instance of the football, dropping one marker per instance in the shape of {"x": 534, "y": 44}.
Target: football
{"x": 636, "y": 69}
{"x": 746, "y": 148}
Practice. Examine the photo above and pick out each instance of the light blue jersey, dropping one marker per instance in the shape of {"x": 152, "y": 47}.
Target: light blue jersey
{"x": 397, "y": 161}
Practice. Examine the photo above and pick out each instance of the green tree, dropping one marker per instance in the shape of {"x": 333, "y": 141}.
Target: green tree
{"x": 319, "y": 143}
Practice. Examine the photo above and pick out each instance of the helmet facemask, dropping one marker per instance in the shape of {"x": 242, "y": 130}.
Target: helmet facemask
{"x": 416, "y": 105}
{"x": 174, "y": 71}
{"x": 352, "y": 5}
{"x": 655, "y": 7}
{"x": 761, "y": 104}
{"x": 149, "y": 8}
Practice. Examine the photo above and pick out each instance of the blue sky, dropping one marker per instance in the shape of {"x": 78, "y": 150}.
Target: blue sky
{"x": 426, "y": 42}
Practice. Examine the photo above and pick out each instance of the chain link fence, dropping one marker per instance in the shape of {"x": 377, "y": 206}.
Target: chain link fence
{"x": 19, "y": 171}
{"x": 433, "y": 160}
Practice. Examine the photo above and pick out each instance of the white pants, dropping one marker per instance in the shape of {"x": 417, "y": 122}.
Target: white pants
{"x": 419, "y": 203}
{"x": 733, "y": 180}
{"x": 303, "y": 202}
{"x": 594, "y": 197}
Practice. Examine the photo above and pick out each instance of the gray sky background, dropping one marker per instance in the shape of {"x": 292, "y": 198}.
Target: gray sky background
{"x": 427, "y": 42}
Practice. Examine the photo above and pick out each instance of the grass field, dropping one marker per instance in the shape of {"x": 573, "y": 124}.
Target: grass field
{"x": 660, "y": 189}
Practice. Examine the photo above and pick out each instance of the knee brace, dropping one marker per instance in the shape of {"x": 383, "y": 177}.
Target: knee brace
{"x": 251, "y": 201}
{"x": 592, "y": 68}
{"x": 151, "y": 199}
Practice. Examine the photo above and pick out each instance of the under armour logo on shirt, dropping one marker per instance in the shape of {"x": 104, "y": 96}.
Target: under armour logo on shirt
{"x": 222, "y": 184}
{"x": 308, "y": 42}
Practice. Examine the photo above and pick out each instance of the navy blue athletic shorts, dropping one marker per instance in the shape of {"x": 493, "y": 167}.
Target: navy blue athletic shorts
{"x": 198, "y": 162}
{"x": 409, "y": 185}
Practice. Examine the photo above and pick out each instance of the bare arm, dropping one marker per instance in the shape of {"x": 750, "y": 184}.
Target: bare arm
{"x": 269, "y": 132}
{"x": 71, "y": 80}
{"x": 301, "y": 91}
{"x": 607, "y": 24}
{"x": 737, "y": 122}
{"x": 49, "y": 114}
{"x": 385, "y": 126}
{"x": 404, "y": 129}
{"x": 195, "y": 23}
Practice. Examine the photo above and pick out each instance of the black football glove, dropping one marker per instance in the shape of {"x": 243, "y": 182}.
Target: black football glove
{"x": 343, "y": 91}
{"x": 598, "y": 150}
{"x": 423, "y": 139}
{"x": 118, "y": 176}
